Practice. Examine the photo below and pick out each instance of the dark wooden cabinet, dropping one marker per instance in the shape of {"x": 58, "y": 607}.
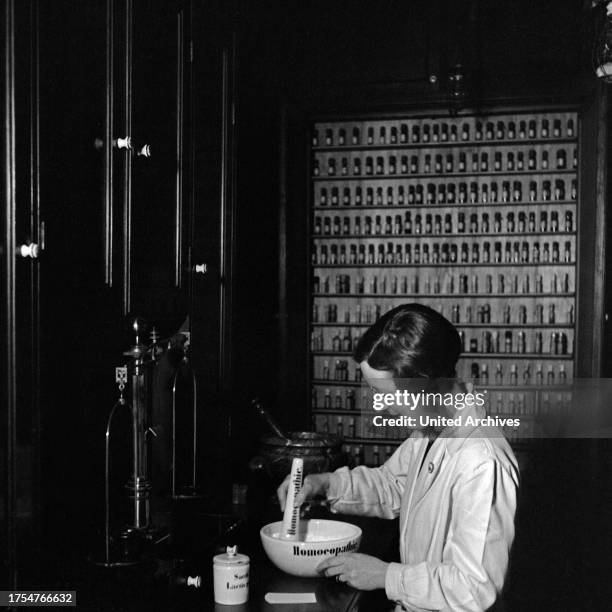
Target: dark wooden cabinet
{"x": 120, "y": 228}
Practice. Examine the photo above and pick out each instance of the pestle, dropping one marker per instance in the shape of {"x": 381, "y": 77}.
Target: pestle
{"x": 291, "y": 516}
{"x": 263, "y": 413}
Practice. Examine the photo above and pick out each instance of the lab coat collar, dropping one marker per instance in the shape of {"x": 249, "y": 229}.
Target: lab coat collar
{"x": 448, "y": 443}
{"x": 453, "y": 438}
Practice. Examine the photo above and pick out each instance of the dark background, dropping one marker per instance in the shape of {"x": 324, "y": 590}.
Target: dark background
{"x": 260, "y": 72}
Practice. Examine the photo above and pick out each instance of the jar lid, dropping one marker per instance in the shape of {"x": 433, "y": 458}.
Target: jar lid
{"x": 231, "y": 557}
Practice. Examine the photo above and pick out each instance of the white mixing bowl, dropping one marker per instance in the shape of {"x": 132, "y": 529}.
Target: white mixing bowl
{"x": 317, "y": 540}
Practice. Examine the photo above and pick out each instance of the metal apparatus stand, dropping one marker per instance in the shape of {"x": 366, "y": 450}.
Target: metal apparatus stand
{"x": 138, "y": 529}
{"x": 139, "y": 485}
{"x": 138, "y": 534}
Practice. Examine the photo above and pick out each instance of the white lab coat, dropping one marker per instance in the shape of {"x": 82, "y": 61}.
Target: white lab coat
{"x": 456, "y": 516}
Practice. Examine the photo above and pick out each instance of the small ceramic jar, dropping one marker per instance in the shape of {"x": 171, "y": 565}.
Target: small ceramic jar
{"x": 231, "y": 577}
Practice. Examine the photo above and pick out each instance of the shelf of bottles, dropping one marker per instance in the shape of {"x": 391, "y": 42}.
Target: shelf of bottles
{"x": 475, "y": 217}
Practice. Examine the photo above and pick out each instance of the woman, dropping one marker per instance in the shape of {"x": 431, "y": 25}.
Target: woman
{"x": 454, "y": 489}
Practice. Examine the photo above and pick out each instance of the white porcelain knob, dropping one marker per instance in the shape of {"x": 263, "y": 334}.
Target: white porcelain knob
{"x": 194, "y": 581}
{"x": 29, "y": 250}
{"x": 124, "y": 143}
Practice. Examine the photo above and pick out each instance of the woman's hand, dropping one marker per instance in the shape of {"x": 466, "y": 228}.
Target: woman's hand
{"x": 359, "y": 571}
{"x": 313, "y": 485}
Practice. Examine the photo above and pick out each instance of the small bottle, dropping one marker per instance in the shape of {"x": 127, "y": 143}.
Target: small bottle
{"x": 498, "y": 162}
{"x": 484, "y": 163}
{"x": 561, "y": 159}
{"x": 344, "y": 166}
{"x": 461, "y": 223}
{"x": 508, "y": 342}
{"x": 527, "y": 375}
{"x": 441, "y": 193}
{"x": 531, "y": 160}
{"x": 499, "y": 376}
{"x": 340, "y": 423}
{"x": 351, "y": 427}
{"x": 554, "y": 221}
{"x": 375, "y": 456}
{"x": 338, "y": 406}
{"x": 437, "y": 227}
{"x": 419, "y": 195}
{"x": 505, "y": 195}
{"x": 486, "y": 252}
{"x": 499, "y": 133}
{"x": 401, "y": 198}
{"x": 449, "y": 163}
{"x": 531, "y": 132}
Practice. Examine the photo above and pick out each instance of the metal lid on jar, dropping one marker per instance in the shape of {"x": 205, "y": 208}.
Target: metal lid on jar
{"x": 231, "y": 557}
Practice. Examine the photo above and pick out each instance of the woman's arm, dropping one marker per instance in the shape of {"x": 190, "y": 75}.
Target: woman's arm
{"x": 475, "y": 557}
{"x": 372, "y": 491}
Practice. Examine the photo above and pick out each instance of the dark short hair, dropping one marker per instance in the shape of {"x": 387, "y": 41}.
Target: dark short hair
{"x": 411, "y": 340}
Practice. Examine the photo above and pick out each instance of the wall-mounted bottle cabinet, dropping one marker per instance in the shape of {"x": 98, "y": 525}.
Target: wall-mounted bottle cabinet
{"x": 475, "y": 217}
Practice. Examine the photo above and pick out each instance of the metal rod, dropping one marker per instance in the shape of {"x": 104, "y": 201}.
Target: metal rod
{"x": 195, "y": 428}
{"x": 108, "y": 145}
{"x": 178, "y": 221}
{"x": 36, "y": 231}
{"x": 10, "y": 339}
{"x": 121, "y": 402}
{"x": 140, "y": 483}
{"x": 127, "y": 178}
{"x": 174, "y": 433}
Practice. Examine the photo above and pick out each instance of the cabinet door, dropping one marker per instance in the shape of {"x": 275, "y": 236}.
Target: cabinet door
{"x": 21, "y": 245}
{"x": 157, "y": 60}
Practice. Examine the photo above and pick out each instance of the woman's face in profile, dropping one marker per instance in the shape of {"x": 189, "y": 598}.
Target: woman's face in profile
{"x": 381, "y": 381}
